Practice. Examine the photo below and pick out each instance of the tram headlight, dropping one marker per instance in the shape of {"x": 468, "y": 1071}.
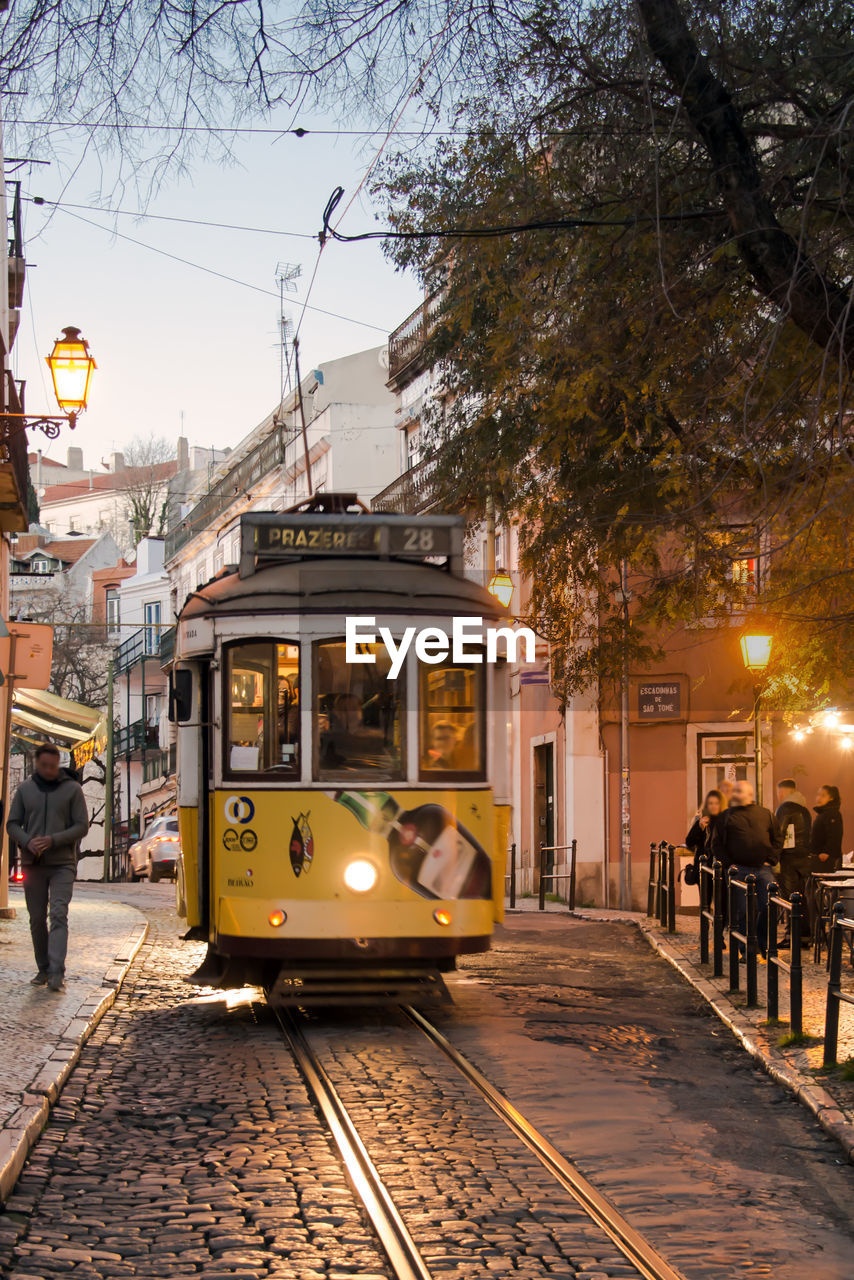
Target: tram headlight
{"x": 360, "y": 876}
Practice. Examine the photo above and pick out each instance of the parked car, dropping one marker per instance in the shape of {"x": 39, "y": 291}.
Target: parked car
{"x": 156, "y": 854}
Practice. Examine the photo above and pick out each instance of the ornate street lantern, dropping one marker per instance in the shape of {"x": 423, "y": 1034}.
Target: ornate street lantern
{"x": 501, "y": 586}
{"x": 71, "y": 366}
{"x": 756, "y": 652}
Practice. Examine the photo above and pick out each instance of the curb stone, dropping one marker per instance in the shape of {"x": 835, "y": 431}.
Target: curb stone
{"x": 816, "y": 1099}
{"x": 21, "y": 1129}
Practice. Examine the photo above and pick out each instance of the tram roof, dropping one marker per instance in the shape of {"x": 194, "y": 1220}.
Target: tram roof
{"x": 336, "y": 585}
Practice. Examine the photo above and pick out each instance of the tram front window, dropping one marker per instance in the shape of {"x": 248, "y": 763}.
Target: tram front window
{"x": 262, "y": 698}
{"x": 451, "y": 730}
{"x": 358, "y": 721}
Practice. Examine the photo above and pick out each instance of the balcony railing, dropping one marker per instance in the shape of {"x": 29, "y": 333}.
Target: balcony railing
{"x": 160, "y": 764}
{"x": 407, "y": 342}
{"x": 263, "y": 459}
{"x": 153, "y": 641}
{"x": 411, "y": 493}
{"x": 136, "y": 736}
{"x": 14, "y": 517}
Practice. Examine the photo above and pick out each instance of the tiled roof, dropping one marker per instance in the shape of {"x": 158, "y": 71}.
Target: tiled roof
{"x": 111, "y": 482}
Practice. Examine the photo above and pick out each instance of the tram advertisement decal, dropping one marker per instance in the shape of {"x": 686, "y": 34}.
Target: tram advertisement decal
{"x": 299, "y": 837}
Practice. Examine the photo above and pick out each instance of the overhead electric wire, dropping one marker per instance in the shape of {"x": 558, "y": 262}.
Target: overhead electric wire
{"x": 165, "y": 217}
{"x": 544, "y": 224}
{"x": 164, "y": 253}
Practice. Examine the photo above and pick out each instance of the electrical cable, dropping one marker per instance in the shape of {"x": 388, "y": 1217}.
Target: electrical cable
{"x": 219, "y": 274}
{"x": 163, "y": 217}
{"x": 469, "y": 233}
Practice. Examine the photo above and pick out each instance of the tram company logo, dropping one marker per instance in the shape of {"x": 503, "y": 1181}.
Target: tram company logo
{"x": 239, "y": 809}
{"x": 302, "y": 844}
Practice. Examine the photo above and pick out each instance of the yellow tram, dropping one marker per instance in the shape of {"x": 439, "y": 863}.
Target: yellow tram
{"x": 343, "y": 805}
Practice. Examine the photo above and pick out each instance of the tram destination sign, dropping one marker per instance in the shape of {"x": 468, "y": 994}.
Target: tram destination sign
{"x": 269, "y": 535}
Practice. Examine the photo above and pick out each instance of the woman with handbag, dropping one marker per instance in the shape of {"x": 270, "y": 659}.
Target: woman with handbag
{"x": 699, "y": 838}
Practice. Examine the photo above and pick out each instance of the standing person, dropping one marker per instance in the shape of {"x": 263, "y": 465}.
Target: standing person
{"x": 748, "y": 841}
{"x": 725, "y": 787}
{"x": 699, "y": 838}
{"x": 47, "y": 818}
{"x": 826, "y": 834}
{"x": 795, "y": 821}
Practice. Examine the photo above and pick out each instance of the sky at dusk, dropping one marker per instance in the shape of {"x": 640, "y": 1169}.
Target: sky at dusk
{"x": 170, "y": 339}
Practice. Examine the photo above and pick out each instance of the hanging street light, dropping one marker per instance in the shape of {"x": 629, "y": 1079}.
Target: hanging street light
{"x": 756, "y": 652}
{"x": 71, "y": 365}
{"x": 500, "y": 586}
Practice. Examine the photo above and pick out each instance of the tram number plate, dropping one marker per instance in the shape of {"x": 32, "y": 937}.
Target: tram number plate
{"x": 422, "y": 539}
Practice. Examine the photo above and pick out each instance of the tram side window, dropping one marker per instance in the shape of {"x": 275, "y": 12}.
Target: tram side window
{"x": 358, "y": 715}
{"x": 262, "y": 698}
{"x": 452, "y": 721}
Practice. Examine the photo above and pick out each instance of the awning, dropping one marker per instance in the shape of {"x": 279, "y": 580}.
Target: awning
{"x": 81, "y": 728}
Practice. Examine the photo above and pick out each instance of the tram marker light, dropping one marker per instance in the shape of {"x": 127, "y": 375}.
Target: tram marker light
{"x": 442, "y": 917}
{"x": 360, "y": 875}
{"x": 277, "y": 918}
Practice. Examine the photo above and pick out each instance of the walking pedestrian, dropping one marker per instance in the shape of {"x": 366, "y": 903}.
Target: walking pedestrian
{"x": 47, "y": 818}
{"x": 748, "y": 841}
{"x": 795, "y": 821}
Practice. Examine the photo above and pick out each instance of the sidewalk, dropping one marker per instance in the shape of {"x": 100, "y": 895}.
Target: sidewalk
{"x": 827, "y": 1094}
{"x": 41, "y": 1032}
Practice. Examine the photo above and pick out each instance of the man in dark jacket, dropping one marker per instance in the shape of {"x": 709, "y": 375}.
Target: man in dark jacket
{"x": 794, "y": 820}
{"x": 748, "y": 841}
{"x": 47, "y": 818}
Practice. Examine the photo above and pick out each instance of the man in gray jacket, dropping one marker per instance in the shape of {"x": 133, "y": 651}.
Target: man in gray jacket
{"x": 47, "y": 818}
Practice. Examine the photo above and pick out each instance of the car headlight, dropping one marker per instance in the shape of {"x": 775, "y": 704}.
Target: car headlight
{"x": 360, "y": 875}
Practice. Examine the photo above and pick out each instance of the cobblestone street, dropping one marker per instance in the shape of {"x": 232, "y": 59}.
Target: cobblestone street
{"x": 185, "y": 1142}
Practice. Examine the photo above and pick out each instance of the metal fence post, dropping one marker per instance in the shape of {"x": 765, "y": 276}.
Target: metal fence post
{"x": 834, "y": 978}
{"x": 796, "y": 973}
{"x": 671, "y": 888}
{"x": 733, "y": 946}
{"x": 773, "y": 994}
{"x": 651, "y": 896}
{"x": 542, "y": 876}
{"x": 752, "y": 944}
{"x": 718, "y": 922}
{"x": 662, "y": 883}
{"x": 706, "y": 886}
{"x": 573, "y": 853}
{"x": 513, "y": 875}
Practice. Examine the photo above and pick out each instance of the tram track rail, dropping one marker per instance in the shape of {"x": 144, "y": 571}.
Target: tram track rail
{"x": 401, "y": 1250}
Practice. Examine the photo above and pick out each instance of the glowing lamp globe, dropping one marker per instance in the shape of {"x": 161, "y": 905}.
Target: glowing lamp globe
{"x": 756, "y": 652}
{"x": 501, "y": 587}
{"x": 71, "y": 366}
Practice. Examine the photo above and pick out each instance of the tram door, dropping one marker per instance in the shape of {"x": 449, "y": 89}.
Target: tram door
{"x": 544, "y": 803}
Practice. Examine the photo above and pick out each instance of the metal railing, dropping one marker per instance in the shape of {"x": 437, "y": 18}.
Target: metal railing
{"x": 408, "y": 340}
{"x": 749, "y": 938}
{"x": 794, "y": 968}
{"x": 135, "y": 736}
{"x": 511, "y": 875}
{"x": 661, "y": 892}
{"x": 712, "y": 916}
{"x": 835, "y": 994}
{"x": 554, "y": 876}
{"x": 259, "y": 462}
{"x": 411, "y": 493}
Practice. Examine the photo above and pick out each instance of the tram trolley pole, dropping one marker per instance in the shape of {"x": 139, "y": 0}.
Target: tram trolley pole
{"x": 835, "y": 994}
{"x": 748, "y": 939}
{"x": 776, "y": 905}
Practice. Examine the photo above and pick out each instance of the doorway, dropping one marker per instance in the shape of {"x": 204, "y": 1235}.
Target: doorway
{"x": 544, "y": 803}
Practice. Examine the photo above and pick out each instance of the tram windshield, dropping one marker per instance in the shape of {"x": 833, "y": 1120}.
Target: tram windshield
{"x": 451, "y": 730}
{"x": 358, "y": 727}
{"x": 262, "y": 685}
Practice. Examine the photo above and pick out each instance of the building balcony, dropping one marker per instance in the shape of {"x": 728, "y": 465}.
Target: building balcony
{"x": 134, "y": 739}
{"x": 147, "y": 642}
{"x": 406, "y": 345}
{"x": 159, "y": 764}
{"x": 263, "y": 459}
{"x": 411, "y": 493}
{"x": 14, "y": 468}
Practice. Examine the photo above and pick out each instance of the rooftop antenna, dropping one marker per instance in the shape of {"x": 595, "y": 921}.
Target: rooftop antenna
{"x": 287, "y": 273}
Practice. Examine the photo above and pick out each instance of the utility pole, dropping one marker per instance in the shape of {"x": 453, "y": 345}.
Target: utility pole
{"x": 625, "y": 774}
{"x": 108, "y": 780}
